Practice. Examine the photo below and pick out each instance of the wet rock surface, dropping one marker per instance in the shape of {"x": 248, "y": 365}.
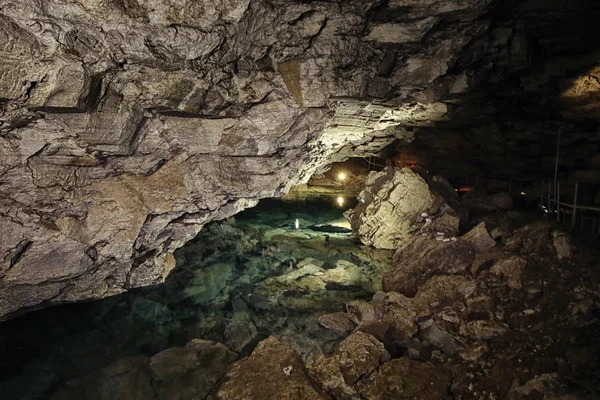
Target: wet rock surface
{"x": 188, "y": 372}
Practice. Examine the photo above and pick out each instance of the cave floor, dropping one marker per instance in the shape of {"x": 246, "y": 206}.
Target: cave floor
{"x": 238, "y": 282}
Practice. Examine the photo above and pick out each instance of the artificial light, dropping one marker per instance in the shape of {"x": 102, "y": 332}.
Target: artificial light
{"x": 340, "y": 201}
{"x": 341, "y": 176}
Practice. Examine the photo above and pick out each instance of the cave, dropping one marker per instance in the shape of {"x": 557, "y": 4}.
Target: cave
{"x": 294, "y": 199}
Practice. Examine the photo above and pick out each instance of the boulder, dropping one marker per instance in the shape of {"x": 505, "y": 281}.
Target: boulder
{"x": 177, "y": 373}
{"x": 445, "y": 289}
{"x": 240, "y": 331}
{"x": 338, "y": 322}
{"x": 404, "y": 378}
{"x": 479, "y": 238}
{"x": 361, "y": 311}
{"x": 125, "y": 379}
{"x": 562, "y": 245}
{"x": 420, "y": 258}
{"x": 272, "y": 372}
{"x": 356, "y": 357}
{"x": 483, "y": 329}
{"x": 531, "y": 238}
{"x": 510, "y": 268}
{"x": 443, "y": 340}
{"x": 394, "y": 205}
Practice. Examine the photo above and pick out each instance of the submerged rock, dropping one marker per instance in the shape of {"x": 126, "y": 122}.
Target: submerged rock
{"x": 208, "y": 282}
{"x": 395, "y": 204}
{"x": 272, "y": 372}
{"x": 240, "y": 331}
{"x": 125, "y": 379}
{"x": 190, "y": 372}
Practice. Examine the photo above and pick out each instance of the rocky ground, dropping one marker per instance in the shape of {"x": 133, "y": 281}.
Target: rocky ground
{"x": 466, "y": 317}
{"x": 519, "y": 321}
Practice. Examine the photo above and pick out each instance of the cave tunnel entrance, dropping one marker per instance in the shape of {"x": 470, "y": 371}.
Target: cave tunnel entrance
{"x": 273, "y": 269}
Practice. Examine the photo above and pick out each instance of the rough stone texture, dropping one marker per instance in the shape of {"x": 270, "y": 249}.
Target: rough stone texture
{"x": 188, "y": 372}
{"x": 191, "y": 371}
{"x": 484, "y": 329}
{"x": 356, "y": 357}
{"x": 124, "y": 379}
{"x": 494, "y": 341}
{"x": 127, "y": 126}
{"x": 272, "y": 372}
{"x": 337, "y": 322}
{"x": 510, "y": 268}
{"x": 479, "y": 238}
{"x": 531, "y": 239}
{"x": 421, "y": 258}
{"x": 406, "y": 379}
{"x": 562, "y": 245}
{"x": 545, "y": 386}
{"x": 443, "y": 340}
{"x": 395, "y": 204}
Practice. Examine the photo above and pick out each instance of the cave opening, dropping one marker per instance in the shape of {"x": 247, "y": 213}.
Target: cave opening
{"x": 290, "y": 199}
{"x": 273, "y": 269}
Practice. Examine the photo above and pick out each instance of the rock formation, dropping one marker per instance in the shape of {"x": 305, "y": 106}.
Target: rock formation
{"x": 470, "y": 335}
{"x": 397, "y": 204}
{"x": 126, "y": 126}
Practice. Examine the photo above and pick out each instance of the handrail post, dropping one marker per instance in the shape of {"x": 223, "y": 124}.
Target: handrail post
{"x": 558, "y": 201}
{"x": 574, "y": 217}
{"x": 549, "y": 196}
{"x": 556, "y": 166}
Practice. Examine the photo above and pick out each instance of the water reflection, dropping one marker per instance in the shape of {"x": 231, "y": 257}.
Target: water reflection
{"x": 238, "y": 282}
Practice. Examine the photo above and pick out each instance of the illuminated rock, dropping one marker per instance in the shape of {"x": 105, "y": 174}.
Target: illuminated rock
{"x": 355, "y": 357}
{"x": 272, "y": 372}
{"x": 125, "y": 127}
{"x": 392, "y": 209}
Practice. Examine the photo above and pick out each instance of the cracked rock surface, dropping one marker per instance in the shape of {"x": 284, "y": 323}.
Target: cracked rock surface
{"x": 125, "y": 126}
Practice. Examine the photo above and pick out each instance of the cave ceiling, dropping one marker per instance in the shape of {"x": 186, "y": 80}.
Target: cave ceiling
{"x": 126, "y": 125}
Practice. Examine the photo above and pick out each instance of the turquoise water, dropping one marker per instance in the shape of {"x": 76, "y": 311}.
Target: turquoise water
{"x": 238, "y": 282}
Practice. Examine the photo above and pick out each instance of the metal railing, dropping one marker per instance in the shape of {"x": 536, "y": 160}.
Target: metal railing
{"x": 582, "y": 217}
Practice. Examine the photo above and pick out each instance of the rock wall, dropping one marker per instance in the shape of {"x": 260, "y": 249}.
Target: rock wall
{"x": 125, "y": 126}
